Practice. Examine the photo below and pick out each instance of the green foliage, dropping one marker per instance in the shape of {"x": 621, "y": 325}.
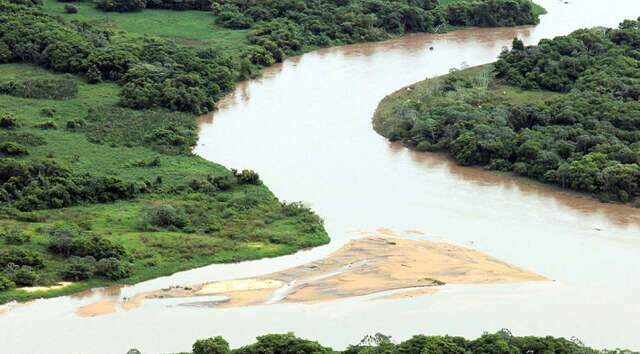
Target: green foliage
{"x": 15, "y": 236}
{"x": 10, "y": 148}
{"x": 246, "y": 177}
{"x": 47, "y": 124}
{"x": 215, "y": 345}
{"x": 79, "y": 268}
{"x": 121, "y": 5}
{"x": 8, "y": 121}
{"x": 20, "y": 257}
{"x": 282, "y": 27}
{"x": 113, "y": 268}
{"x": 283, "y": 344}
{"x": 25, "y": 276}
{"x": 6, "y": 283}
{"x": 500, "y": 342}
{"x": 70, "y": 9}
{"x": 162, "y": 216}
{"x": 32, "y": 185}
{"x": 166, "y": 132}
{"x": 586, "y": 139}
{"x": 51, "y": 89}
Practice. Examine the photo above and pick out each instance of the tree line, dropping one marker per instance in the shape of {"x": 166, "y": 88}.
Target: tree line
{"x": 587, "y": 138}
{"x": 501, "y": 342}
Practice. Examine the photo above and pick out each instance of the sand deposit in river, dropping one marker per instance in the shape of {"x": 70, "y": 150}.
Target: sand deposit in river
{"x": 378, "y": 263}
{"x": 367, "y": 266}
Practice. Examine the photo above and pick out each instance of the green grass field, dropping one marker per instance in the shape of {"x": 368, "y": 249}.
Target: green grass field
{"x": 193, "y": 28}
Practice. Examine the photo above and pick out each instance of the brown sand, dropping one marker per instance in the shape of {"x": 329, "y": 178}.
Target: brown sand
{"x": 363, "y": 267}
{"x": 102, "y": 307}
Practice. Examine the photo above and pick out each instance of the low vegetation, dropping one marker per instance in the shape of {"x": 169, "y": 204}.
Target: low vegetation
{"x": 563, "y": 112}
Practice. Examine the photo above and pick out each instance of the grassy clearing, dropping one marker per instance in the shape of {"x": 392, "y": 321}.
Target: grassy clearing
{"x": 193, "y": 28}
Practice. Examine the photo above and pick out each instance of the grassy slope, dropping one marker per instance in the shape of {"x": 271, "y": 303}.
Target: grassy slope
{"x": 245, "y": 234}
{"x": 383, "y": 119}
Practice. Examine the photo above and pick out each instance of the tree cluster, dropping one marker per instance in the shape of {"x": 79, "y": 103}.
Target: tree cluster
{"x": 500, "y": 342}
{"x": 287, "y": 27}
{"x": 152, "y": 72}
{"x": 44, "y": 184}
{"x": 587, "y": 139}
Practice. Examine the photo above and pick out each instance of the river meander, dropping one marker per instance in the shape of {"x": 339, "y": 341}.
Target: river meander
{"x": 305, "y": 126}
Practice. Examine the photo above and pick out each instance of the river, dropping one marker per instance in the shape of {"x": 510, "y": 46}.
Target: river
{"x": 305, "y": 126}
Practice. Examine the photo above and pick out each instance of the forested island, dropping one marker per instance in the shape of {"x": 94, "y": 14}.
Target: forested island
{"x": 500, "y": 342}
{"x": 98, "y": 103}
{"x": 564, "y": 112}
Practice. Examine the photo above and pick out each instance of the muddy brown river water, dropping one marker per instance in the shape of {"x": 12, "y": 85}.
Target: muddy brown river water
{"x": 305, "y": 126}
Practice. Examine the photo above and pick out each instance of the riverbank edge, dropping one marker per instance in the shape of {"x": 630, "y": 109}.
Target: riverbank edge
{"x": 382, "y": 116}
{"x": 20, "y": 295}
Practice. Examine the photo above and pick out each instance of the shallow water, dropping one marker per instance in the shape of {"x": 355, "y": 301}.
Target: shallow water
{"x": 306, "y": 128}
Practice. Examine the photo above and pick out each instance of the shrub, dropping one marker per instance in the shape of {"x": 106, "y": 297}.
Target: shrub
{"x": 20, "y": 257}
{"x": 75, "y": 124}
{"x": 121, "y": 5}
{"x": 15, "y": 237}
{"x": 70, "y": 9}
{"x": 47, "y": 112}
{"x": 25, "y": 276}
{"x": 10, "y": 148}
{"x": 162, "y": 216}
{"x": 113, "y": 268}
{"x": 61, "y": 237}
{"x": 246, "y": 177}
{"x": 47, "y": 125}
{"x": 6, "y": 283}
{"x": 8, "y": 121}
{"x": 79, "y": 268}
{"x": 97, "y": 247}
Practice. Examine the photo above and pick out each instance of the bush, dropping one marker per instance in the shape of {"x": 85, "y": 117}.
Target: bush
{"x": 121, "y": 5}
{"x": 215, "y": 345}
{"x": 162, "y": 216}
{"x": 15, "y": 237}
{"x": 96, "y": 247}
{"x": 113, "y": 268}
{"x": 11, "y": 148}
{"x": 47, "y": 125}
{"x": 61, "y": 237}
{"x": 79, "y": 268}
{"x": 246, "y": 177}
{"x": 8, "y": 121}
{"x": 70, "y": 9}
{"x": 47, "y": 112}
{"x": 6, "y": 283}
{"x": 20, "y": 257}
{"x": 25, "y": 276}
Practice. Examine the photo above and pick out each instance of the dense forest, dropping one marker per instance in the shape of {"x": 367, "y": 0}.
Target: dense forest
{"x": 500, "y": 342}
{"x": 563, "y": 112}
